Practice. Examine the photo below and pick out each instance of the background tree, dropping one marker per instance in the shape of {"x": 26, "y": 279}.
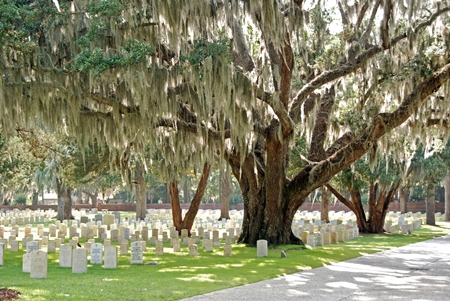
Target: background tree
{"x": 380, "y": 185}
{"x": 239, "y": 79}
{"x": 428, "y": 171}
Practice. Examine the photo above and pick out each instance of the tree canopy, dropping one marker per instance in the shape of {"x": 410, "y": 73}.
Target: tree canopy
{"x": 239, "y": 79}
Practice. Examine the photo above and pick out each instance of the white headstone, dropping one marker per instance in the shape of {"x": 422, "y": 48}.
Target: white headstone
{"x": 262, "y": 248}
{"x": 39, "y": 264}
{"x": 32, "y": 246}
{"x": 26, "y": 262}
{"x": 137, "y": 255}
{"x": 227, "y": 250}
{"x": 79, "y": 261}
{"x": 159, "y": 248}
{"x": 65, "y": 256}
{"x": 110, "y": 257}
{"x": 96, "y": 253}
{"x": 193, "y": 250}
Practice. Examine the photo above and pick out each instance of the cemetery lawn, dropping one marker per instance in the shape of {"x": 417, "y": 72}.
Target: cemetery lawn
{"x": 178, "y": 275}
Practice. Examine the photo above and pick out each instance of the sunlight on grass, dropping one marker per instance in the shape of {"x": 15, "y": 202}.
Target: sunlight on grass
{"x": 178, "y": 275}
{"x": 200, "y": 278}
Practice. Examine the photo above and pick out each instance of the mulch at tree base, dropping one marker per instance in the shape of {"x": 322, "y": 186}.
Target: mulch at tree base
{"x": 8, "y": 294}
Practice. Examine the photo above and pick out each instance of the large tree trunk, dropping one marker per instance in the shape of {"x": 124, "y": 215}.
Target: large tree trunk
{"x": 324, "y": 216}
{"x": 186, "y": 193}
{"x": 60, "y": 196}
{"x": 225, "y": 192}
{"x": 141, "y": 200}
{"x": 189, "y": 218}
{"x": 447, "y": 197}
{"x": 431, "y": 207}
{"x": 267, "y": 212}
{"x": 403, "y": 195}
{"x": 67, "y": 195}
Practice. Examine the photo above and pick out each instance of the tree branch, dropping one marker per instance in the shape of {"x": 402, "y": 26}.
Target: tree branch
{"x": 349, "y": 67}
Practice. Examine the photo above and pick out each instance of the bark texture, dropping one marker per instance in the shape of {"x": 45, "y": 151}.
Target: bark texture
{"x": 141, "y": 189}
{"x": 430, "y": 205}
{"x": 225, "y": 193}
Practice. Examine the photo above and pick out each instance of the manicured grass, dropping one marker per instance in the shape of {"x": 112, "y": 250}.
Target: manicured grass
{"x": 179, "y": 275}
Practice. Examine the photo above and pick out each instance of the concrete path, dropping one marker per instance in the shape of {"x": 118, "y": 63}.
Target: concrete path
{"x": 418, "y": 272}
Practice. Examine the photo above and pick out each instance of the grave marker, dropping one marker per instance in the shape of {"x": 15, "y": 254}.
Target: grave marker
{"x": 65, "y": 256}
{"x": 261, "y": 248}
{"x": 79, "y": 261}
{"x": 39, "y": 264}
{"x": 110, "y": 257}
{"x": 137, "y": 256}
{"x": 96, "y": 253}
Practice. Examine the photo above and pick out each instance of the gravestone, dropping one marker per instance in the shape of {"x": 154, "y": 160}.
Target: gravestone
{"x": 126, "y": 233}
{"x": 65, "y": 256}
{"x": 208, "y": 245}
{"x": 96, "y": 253}
{"x": 108, "y": 220}
{"x": 2, "y": 252}
{"x": 184, "y": 233}
{"x": 176, "y": 245}
{"x": 144, "y": 233}
{"x": 159, "y": 248}
{"x": 32, "y": 246}
{"x": 319, "y": 239}
{"x": 201, "y": 231}
{"x": 227, "y": 250}
{"x": 110, "y": 257}
{"x": 326, "y": 238}
{"x": 193, "y": 250}
{"x": 39, "y": 264}
{"x": 310, "y": 240}
{"x": 26, "y": 262}
{"x": 124, "y": 247}
{"x": 137, "y": 255}
{"x": 261, "y": 248}
{"x": 79, "y": 261}
{"x": 14, "y": 246}
{"x": 115, "y": 235}
{"x": 51, "y": 246}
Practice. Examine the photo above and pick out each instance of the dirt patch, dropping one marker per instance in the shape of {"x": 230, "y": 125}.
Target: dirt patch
{"x": 8, "y": 294}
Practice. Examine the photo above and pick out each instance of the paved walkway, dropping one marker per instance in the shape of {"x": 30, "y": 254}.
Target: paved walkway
{"x": 418, "y": 272}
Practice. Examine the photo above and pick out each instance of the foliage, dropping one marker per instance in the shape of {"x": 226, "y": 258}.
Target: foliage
{"x": 20, "y": 199}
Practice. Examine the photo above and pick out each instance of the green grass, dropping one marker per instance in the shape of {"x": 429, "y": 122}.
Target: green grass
{"x": 179, "y": 275}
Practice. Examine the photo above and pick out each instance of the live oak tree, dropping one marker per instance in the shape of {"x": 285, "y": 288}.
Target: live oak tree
{"x": 378, "y": 184}
{"x": 240, "y": 79}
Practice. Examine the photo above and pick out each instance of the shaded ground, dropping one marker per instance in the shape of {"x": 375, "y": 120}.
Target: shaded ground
{"x": 8, "y": 294}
